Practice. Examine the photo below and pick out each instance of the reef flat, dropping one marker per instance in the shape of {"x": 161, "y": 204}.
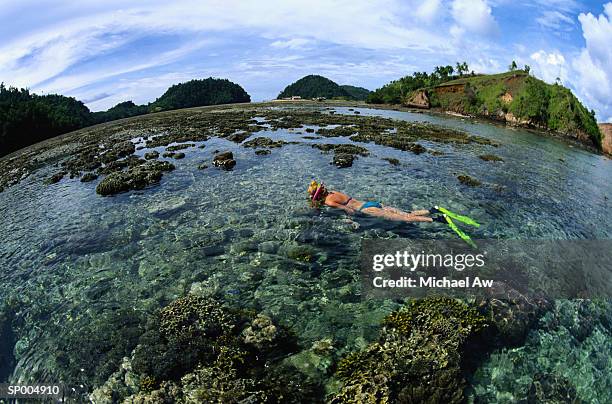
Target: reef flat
{"x": 110, "y": 149}
{"x": 182, "y": 261}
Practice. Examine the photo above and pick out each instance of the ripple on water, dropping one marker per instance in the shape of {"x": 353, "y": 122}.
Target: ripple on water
{"x": 70, "y": 253}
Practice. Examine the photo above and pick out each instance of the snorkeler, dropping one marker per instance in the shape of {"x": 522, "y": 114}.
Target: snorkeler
{"x": 321, "y": 196}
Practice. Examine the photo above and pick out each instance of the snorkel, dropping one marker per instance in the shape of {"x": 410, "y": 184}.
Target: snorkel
{"x": 316, "y": 191}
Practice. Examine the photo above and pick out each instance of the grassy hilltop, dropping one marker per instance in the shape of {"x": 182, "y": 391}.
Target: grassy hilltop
{"x": 514, "y": 97}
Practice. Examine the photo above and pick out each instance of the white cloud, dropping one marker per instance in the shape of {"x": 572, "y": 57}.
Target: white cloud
{"x": 474, "y": 16}
{"x": 34, "y": 57}
{"x": 555, "y": 20}
{"x": 549, "y": 65}
{"x": 428, "y": 10}
{"x": 594, "y": 63}
{"x": 295, "y": 43}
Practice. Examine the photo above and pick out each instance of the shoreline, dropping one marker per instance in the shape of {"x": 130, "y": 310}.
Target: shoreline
{"x": 339, "y": 103}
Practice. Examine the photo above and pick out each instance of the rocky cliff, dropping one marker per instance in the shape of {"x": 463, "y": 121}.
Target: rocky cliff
{"x": 515, "y": 98}
{"x": 606, "y": 142}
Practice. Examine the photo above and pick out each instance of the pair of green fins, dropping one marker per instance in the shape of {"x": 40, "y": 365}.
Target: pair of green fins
{"x": 449, "y": 216}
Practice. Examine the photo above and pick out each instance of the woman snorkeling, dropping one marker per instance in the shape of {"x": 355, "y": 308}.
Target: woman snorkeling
{"x": 321, "y": 196}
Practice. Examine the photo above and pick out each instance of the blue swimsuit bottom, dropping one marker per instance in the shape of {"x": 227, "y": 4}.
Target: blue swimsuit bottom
{"x": 370, "y": 204}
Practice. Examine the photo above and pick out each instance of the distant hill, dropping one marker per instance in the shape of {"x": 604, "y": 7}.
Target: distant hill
{"x": 514, "y": 97}
{"x": 27, "y": 118}
{"x": 314, "y": 86}
{"x": 197, "y": 93}
{"x": 122, "y": 110}
{"x": 356, "y": 93}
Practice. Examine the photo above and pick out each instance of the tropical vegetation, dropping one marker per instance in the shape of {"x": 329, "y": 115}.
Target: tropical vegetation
{"x": 27, "y": 118}
{"x": 315, "y": 86}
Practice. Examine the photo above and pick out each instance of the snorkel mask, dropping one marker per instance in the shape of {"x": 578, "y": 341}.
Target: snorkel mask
{"x": 315, "y": 190}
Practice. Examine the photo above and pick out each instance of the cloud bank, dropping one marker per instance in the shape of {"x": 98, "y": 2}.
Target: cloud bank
{"x": 108, "y": 52}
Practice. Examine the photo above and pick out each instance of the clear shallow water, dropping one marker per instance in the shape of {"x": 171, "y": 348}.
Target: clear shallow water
{"x": 72, "y": 256}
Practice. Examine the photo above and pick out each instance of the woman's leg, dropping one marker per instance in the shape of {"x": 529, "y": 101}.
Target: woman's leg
{"x": 391, "y": 215}
{"x": 401, "y": 212}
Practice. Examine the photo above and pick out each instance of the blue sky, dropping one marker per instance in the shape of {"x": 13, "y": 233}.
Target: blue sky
{"x": 108, "y": 52}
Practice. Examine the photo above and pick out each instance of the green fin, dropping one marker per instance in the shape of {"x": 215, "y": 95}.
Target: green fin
{"x": 461, "y": 234}
{"x": 460, "y": 218}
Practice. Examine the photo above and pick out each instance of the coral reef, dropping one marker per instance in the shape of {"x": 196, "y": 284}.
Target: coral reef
{"x": 264, "y": 142}
{"x": 110, "y": 147}
{"x": 565, "y": 358}
{"x": 7, "y": 360}
{"x": 417, "y": 358}
{"x": 344, "y": 154}
{"x": 262, "y": 333}
{"x": 343, "y": 160}
{"x": 197, "y": 350}
{"x": 174, "y": 155}
{"x": 88, "y": 177}
{"x": 151, "y": 155}
{"x": 179, "y": 147}
{"x": 134, "y": 178}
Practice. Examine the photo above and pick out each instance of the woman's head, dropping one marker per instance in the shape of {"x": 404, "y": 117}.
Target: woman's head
{"x": 317, "y": 193}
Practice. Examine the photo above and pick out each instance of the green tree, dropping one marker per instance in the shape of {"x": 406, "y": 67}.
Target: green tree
{"x": 313, "y": 86}
{"x": 196, "y": 93}
{"x": 527, "y": 69}
{"x": 513, "y": 66}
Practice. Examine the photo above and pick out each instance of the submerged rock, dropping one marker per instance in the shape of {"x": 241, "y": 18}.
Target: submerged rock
{"x": 392, "y": 161}
{"x": 490, "y": 157}
{"x": 55, "y": 178}
{"x": 134, "y": 178}
{"x": 469, "y": 181}
{"x": 262, "y": 152}
{"x": 551, "y": 388}
{"x": 344, "y": 154}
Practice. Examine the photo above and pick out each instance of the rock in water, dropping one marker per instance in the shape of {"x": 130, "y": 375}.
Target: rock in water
{"x": 343, "y": 160}
{"x": 469, "y": 181}
{"x": 134, "y": 178}
{"x": 151, "y": 155}
{"x": 89, "y": 177}
{"x": 224, "y": 160}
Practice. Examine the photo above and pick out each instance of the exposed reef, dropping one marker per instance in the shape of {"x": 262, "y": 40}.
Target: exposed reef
{"x": 111, "y": 148}
{"x": 344, "y": 154}
{"x": 134, "y": 178}
{"x": 224, "y": 160}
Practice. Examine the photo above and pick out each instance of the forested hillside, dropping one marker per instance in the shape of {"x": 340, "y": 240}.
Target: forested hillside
{"x": 27, "y": 118}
